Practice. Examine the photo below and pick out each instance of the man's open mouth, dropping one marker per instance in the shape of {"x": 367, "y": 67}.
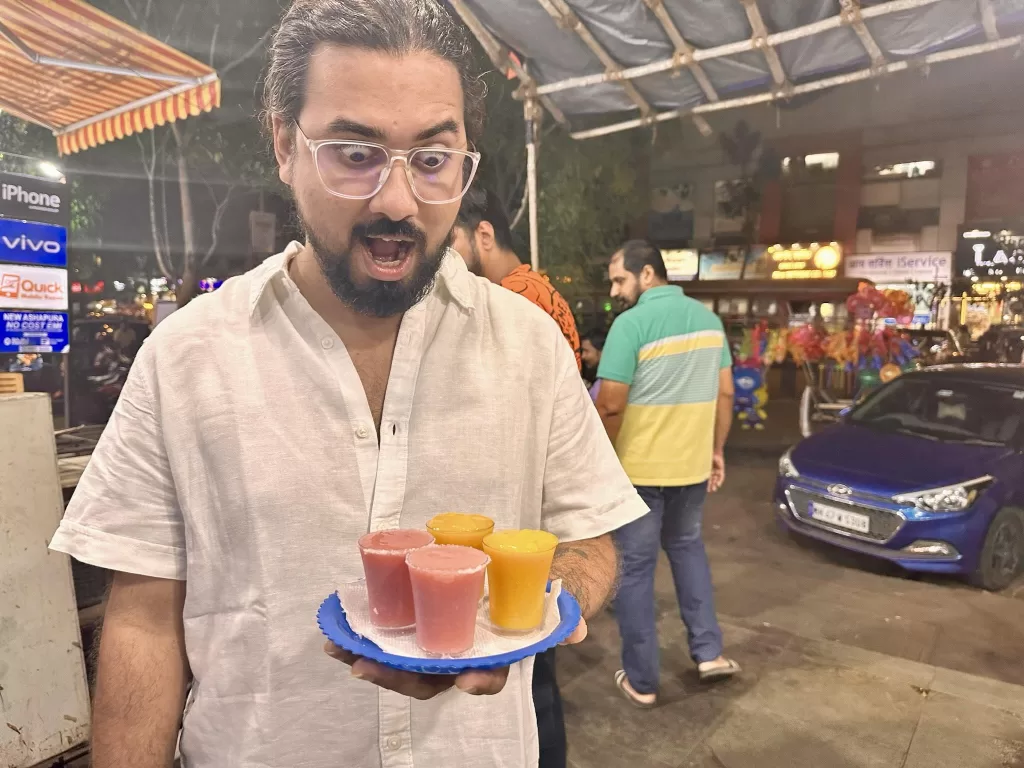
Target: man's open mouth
{"x": 388, "y": 256}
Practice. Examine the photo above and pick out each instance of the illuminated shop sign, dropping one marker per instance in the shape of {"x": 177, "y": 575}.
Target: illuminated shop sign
{"x": 797, "y": 262}
{"x": 987, "y": 255}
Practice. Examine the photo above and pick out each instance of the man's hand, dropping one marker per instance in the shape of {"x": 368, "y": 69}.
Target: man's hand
{"x": 479, "y": 682}
{"x": 717, "y": 478}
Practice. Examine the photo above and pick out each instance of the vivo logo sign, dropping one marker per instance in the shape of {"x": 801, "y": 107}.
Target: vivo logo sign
{"x": 26, "y": 244}
{"x": 23, "y": 242}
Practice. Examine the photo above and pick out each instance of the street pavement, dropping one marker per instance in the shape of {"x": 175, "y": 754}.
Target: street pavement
{"x": 846, "y": 662}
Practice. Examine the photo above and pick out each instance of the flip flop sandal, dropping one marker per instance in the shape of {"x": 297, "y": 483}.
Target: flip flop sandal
{"x": 620, "y": 682}
{"x": 719, "y": 672}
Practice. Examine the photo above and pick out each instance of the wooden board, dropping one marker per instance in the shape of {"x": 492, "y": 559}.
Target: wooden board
{"x": 44, "y": 700}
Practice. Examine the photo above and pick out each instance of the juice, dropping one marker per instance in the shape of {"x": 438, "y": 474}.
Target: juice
{"x": 446, "y": 584}
{"x": 387, "y": 576}
{"x": 518, "y": 576}
{"x": 460, "y": 528}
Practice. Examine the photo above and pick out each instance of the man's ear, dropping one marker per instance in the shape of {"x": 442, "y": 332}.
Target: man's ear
{"x": 485, "y": 236}
{"x": 647, "y": 275}
{"x": 284, "y": 147}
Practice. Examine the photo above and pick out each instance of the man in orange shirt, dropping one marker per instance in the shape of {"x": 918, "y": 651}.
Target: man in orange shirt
{"x": 484, "y": 239}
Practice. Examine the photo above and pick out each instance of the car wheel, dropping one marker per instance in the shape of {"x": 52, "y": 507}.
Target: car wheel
{"x": 1002, "y": 556}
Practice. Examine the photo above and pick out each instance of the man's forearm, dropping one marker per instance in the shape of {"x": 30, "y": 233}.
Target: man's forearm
{"x": 723, "y": 421}
{"x": 141, "y": 681}
{"x": 589, "y": 570}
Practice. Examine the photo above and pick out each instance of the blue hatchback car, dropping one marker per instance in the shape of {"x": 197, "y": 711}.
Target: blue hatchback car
{"x": 927, "y": 472}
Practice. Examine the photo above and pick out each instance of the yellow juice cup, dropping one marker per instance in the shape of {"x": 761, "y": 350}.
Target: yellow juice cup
{"x": 461, "y": 529}
{"x": 518, "y": 577}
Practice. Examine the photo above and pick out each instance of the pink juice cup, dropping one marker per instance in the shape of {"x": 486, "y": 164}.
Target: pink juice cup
{"x": 387, "y": 576}
{"x": 446, "y": 584}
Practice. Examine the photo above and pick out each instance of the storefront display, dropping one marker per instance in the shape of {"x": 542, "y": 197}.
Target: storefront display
{"x": 925, "y": 276}
{"x": 815, "y": 261}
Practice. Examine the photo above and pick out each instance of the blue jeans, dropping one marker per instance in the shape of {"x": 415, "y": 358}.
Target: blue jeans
{"x": 674, "y": 523}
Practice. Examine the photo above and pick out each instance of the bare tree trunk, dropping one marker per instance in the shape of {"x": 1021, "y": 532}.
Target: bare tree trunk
{"x": 149, "y": 163}
{"x": 189, "y": 276}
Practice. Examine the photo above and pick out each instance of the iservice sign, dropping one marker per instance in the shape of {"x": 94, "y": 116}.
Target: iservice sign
{"x": 24, "y": 287}
{"x": 24, "y": 242}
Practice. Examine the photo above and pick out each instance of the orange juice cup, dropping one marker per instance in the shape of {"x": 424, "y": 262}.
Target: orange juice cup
{"x": 446, "y": 583}
{"x": 387, "y": 576}
{"x": 518, "y": 577}
{"x": 459, "y": 528}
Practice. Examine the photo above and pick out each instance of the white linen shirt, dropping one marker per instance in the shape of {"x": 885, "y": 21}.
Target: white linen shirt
{"x": 242, "y": 458}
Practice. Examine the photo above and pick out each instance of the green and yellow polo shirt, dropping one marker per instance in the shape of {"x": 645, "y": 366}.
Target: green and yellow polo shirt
{"x": 669, "y": 349}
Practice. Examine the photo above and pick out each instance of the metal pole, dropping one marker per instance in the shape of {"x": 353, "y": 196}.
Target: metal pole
{"x": 809, "y": 87}
{"x": 731, "y": 49}
{"x": 530, "y": 113}
{"x": 66, "y": 360}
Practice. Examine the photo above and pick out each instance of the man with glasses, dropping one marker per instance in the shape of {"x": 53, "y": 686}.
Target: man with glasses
{"x": 362, "y": 380}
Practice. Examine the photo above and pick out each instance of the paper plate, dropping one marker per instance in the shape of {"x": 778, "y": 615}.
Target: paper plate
{"x": 334, "y": 624}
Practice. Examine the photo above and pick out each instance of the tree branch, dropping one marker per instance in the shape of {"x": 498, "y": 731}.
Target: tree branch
{"x": 218, "y": 216}
{"x": 255, "y": 48}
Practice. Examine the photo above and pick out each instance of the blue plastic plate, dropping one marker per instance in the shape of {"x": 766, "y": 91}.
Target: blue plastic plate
{"x": 334, "y": 624}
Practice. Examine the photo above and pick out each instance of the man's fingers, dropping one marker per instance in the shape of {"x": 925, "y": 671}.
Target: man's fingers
{"x": 482, "y": 682}
{"x": 332, "y": 650}
{"x": 410, "y": 684}
{"x": 578, "y": 635}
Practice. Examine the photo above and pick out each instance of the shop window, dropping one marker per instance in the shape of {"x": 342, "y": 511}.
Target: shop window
{"x": 808, "y": 189}
{"x": 899, "y": 207}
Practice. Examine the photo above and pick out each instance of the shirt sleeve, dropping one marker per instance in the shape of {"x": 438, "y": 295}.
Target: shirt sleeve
{"x": 726, "y": 352}
{"x": 619, "y": 357}
{"x": 124, "y": 515}
{"x": 586, "y": 491}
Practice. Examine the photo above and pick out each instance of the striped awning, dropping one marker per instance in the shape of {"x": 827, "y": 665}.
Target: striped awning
{"x": 91, "y": 78}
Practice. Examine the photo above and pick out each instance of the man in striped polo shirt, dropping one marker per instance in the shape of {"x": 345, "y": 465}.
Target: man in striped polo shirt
{"x": 666, "y": 400}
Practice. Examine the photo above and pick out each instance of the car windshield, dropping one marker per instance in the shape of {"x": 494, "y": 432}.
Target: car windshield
{"x": 948, "y": 410}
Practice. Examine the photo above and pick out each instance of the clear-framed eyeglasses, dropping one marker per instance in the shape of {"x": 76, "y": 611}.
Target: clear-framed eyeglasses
{"x": 358, "y": 170}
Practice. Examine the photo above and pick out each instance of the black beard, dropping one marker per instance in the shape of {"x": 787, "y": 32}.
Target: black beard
{"x": 379, "y": 298}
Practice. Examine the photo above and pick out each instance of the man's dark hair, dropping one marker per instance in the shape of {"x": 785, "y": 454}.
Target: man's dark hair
{"x": 483, "y": 205}
{"x": 597, "y": 337}
{"x": 397, "y": 27}
{"x": 637, "y": 254}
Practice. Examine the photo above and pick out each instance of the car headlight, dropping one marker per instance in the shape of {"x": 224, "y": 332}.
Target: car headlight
{"x": 786, "y": 466}
{"x": 949, "y": 498}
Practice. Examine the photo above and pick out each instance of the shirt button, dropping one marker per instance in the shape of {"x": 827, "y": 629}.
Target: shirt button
{"x": 327, "y": 343}
{"x": 394, "y": 743}
{"x": 362, "y": 433}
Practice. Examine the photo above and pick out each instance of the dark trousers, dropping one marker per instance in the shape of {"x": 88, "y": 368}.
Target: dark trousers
{"x": 548, "y": 703}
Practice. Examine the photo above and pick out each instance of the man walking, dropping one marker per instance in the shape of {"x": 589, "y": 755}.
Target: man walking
{"x": 483, "y": 237}
{"x": 666, "y": 401}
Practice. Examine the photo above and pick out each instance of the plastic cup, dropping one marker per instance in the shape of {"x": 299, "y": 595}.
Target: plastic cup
{"x": 460, "y": 528}
{"x": 446, "y": 584}
{"x": 387, "y": 576}
{"x": 518, "y": 577}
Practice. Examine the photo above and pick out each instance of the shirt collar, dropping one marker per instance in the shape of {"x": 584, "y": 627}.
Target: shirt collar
{"x": 661, "y": 292}
{"x": 453, "y": 276}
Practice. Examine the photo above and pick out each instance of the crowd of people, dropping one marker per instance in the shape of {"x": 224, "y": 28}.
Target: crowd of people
{"x": 366, "y": 379}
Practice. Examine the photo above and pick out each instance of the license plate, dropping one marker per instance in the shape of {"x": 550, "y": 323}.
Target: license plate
{"x": 852, "y": 521}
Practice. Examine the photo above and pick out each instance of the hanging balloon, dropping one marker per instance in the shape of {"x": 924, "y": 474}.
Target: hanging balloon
{"x": 888, "y": 372}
